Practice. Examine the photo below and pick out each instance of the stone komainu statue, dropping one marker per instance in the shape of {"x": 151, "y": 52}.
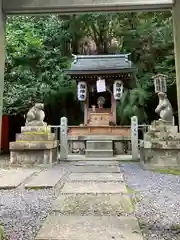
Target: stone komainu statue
{"x": 35, "y": 114}
{"x": 164, "y": 108}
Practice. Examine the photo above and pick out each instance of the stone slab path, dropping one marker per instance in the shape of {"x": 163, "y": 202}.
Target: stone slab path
{"x": 95, "y": 169}
{"x": 93, "y": 204}
{"x": 94, "y": 187}
{"x": 92, "y": 200}
{"x": 100, "y": 177}
{"x": 45, "y": 179}
{"x": 91, "y": 209}
{"x": 96, "y": 163}
{"x": 12, "y": 178}
{"x": 90, "y": 228}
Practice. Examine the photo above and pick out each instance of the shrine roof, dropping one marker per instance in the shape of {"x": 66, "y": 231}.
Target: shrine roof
{"x": 94, "y": 64}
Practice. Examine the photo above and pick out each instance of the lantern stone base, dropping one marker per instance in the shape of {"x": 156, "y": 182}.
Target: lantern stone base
{"x": 161, "y": 146}
{"x": 34, "y": 146}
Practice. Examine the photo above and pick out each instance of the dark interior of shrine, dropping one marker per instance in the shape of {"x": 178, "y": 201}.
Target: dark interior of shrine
{"x": 93, "y": 97}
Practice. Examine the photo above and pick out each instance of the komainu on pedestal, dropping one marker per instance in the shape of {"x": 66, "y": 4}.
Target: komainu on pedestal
{"x": 161, "y": 145}
{"x": 35, "y": 144}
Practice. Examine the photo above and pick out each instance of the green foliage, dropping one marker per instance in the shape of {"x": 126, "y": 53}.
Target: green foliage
{"x": 39, "y": 48}
{"x": 133, "y": 103}
{"x": 34, "y": 68}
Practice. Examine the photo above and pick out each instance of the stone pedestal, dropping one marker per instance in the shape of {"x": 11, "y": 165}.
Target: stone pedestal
{"x": 34, "y": 145}
{"x": 161, "y": 146}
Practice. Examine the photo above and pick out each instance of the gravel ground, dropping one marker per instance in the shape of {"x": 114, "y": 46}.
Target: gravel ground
{"x": 157, "y": 195}
{"x": 158, "y": 202}
{"x": 22, "y": 211}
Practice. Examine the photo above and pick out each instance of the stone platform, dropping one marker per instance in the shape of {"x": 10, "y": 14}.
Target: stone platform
{"x": 161, "y": 146}
{"x": 35, "y": 145}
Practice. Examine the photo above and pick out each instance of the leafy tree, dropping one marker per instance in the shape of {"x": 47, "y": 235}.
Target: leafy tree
{"x": 39, "y": 48}
{"x": 33, "y": 66}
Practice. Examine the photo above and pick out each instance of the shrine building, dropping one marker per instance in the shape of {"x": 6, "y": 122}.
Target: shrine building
{"x": 101, "y": 80}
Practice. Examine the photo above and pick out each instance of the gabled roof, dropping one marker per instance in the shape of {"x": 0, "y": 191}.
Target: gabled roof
{"x": 94, "y": 64}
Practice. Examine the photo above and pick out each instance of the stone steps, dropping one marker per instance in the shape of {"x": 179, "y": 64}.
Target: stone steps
{"x": 99, "y": 153}
{"x": 95, "y": 163}
{"x": 99, "y": 148}
{"x": 95, "y": 169}
{"x": 99, "y": 144}
{"x": 75, "y": 158}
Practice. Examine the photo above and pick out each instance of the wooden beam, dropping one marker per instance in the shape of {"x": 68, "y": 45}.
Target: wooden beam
{"x": 79, "y": 6}
{"x": 176, "y": 25}
{"x": 2, "y": 64}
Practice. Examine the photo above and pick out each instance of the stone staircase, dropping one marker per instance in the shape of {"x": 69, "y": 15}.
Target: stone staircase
{"x": 99, "y": 148}
{"x": 94, "y": 203}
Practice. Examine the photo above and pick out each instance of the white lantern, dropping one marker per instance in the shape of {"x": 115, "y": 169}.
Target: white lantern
{"x": 82, "y": 91}
{"x": 118, "y": 89}
{"x": 160, "y": 83}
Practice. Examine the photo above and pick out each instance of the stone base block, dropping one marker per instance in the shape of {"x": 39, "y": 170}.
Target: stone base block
{"x": 33, "y": 145}
{"x": 28, "y": 136}
{"x": 161, "y": 146}
{"x": 160, "y": 158}
{"x": 35, "y": 129}
{"x": 119, "y": 147}
{"x": 33, "y": 156}
{"x": 162, "y": 126}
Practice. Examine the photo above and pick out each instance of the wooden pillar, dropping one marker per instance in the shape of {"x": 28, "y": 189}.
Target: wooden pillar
{"x": 2, "y": 63}
{"x": 86, "y": 107}
{"x": 176, "y": 25}
{"x": 113, "y": 108}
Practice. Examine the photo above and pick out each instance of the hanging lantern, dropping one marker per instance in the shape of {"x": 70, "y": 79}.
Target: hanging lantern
{"x": 82, "y": 91}
{"x": 118, "y": 89}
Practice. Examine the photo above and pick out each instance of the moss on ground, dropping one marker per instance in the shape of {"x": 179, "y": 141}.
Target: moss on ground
{"x": 175, "y": 227}
{"x": 134, "y": 196}
{"x": 131, "y": 190}
{"x": 168, "y": 171}
{"x": 2, "y": 234}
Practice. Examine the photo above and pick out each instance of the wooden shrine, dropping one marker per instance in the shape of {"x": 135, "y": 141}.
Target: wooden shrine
{"x": 101, "y": 80}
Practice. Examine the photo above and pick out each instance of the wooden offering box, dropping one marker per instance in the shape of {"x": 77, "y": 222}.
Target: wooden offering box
{"x": 99, "y": 119}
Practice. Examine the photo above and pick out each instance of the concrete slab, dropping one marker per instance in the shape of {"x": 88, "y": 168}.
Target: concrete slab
{"x": 93, "y": 187}
{"x": 93, "y": 204}
{"x": 98, "y": 177}
{"x": 95, "y": 169}
{"x": 96, "y": 163}
{"x": 12, "y": 178}
{"x": 90, "y": 228}
{"x": 45, "y": 179}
